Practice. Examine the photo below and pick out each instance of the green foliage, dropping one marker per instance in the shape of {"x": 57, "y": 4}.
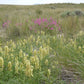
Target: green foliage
{"x": 79, "y": 13}
{"x": 70, "y": 26}
{"x": 66, "y": 13}
{"x": 38, "y": 12}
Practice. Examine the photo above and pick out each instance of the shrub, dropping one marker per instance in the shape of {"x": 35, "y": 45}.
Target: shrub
{"x": 72, "y": 13}
{"x": 39, "y": 12}
{"x": 79, "y": 13}
{"x": 66, "y": 13}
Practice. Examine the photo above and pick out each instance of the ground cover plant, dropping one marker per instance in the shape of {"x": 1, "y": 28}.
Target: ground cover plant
{"x": 38, "y": 46}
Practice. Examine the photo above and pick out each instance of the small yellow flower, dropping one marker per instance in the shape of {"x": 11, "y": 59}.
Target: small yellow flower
{"x": 16, "y": 66}
{"x": 20, "y": 53}
{"x": 6, "y": 50}
{"x": 32, "y": 59}
{"x": 33, "y": 39}
{"x": 9, "y": 66}
{"x": 44, "y": 44}
{"x": 35, "y": 52}
{"x": 41, "y": 56}
{"x": 40, "y": 49}
{"x": 48, "y": 73}
{"x": 37, "y": 62}
{"x": 42, "y": 32}
{"x": 13, "y": 45}
{"x": 46, "y": 61}
{"x": 7, "y": 43}
{"x": 37, "y": 42}
{"x": 25, "y": 41}
{"x": 1, "y": 64}
{"x": 10, "y": 41}
{"x": 53, "y": 67}
{"x": 21, "y": 68}
{"x": 54, "y": 38}
{"x": 48, "y": 41}
{"x": 79, "y": 48}
{"x": 80, "y": 33}
{"x": 24, "y": 59}
{"x": 29, "y": 69}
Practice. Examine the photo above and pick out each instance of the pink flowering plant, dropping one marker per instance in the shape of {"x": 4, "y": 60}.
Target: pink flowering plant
{"x": 6, "y": 24}
{"x": 49, "y": 26}
{"x": 43, "y": 24}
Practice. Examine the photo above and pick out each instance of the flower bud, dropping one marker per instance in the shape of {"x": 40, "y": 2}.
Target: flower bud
{"x": 6, "y": 50}
{"x": 32, "y": 59}
{"x": 36, "y": 62}
{"x": 9, "y": 66}
{"x": 20, "y": 53}
{"x": 35, "y": 52}
{"x": 16, "y": 66}
{"x": 79, "y": 48}
{"x": 29, "y": 69}
{"x": 48, "y": 73}
{"x": 46, "y": 62}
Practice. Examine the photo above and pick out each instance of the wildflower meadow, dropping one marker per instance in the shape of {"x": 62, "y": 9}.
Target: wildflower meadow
{"x": 39, "y": 46}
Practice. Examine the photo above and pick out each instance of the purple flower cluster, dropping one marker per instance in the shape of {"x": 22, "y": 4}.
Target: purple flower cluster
{"x": 6, "y": 24}
{"x": 44, "y": 23}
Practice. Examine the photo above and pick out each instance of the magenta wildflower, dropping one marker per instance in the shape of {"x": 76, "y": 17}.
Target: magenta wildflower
{"x": 43, "y": 20}
{"x": 52, "y": 28}
{"x": 5, "y": 24}
{"x": 53, "y": 22}
{"x": 37, "y": 21}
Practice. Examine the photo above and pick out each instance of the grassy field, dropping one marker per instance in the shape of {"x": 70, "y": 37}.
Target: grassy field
{"x": 42, "y": 44}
